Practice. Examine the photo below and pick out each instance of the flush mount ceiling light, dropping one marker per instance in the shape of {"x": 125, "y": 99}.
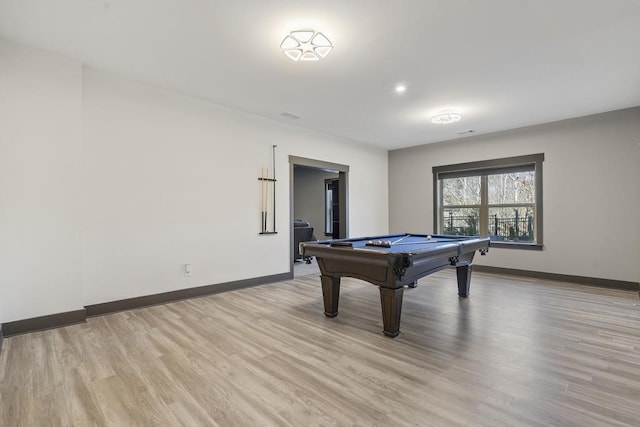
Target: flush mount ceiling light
{"x": 445, "y": 117}
{"x": 306, "y": 45}
{"x": 401, "y": 88}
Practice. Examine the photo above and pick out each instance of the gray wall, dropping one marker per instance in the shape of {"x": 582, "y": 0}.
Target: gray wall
{"x": 308, "y": 197}
{"x": 591, "y": 192}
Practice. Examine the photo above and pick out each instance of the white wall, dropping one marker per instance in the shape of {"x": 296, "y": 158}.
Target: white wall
{"x": 107, "y": 187}
{"x": 173, "y": 180}
{"x": 309, "y": 195}
{"x": 591, "y": 196}
{"x": 40, "y": 183}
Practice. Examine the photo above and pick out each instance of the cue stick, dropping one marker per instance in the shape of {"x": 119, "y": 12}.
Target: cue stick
{"x": 266, "y": 201}
{"x": 417, "y": 243}
{"x": 263, "y": 201}
{"x": 274, "y": 187}
{"x": 266, "y": 197}
{"x": 402, "y": 238}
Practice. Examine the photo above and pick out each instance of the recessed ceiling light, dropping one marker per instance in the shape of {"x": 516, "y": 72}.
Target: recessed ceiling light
{"x": 306, "y": 45}
{"x": 445, "y": 117}
{"x": 401, "y": 88}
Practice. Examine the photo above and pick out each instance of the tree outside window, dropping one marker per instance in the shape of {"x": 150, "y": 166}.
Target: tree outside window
{"x": 499, "y": 198}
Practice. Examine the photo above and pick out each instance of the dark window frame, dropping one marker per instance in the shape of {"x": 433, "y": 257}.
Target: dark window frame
{"x": 486, "y": 167}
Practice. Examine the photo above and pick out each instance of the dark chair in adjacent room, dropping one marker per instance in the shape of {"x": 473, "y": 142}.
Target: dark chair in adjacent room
{"x": 302, "y": 232}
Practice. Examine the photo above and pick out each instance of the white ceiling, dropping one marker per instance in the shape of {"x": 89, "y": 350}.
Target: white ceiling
{"x": 502, "y": 64}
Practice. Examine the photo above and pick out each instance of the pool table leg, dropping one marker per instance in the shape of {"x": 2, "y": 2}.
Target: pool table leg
{"x": 391, "y": 300}
{"x": 464, "y": 279}
{"x": 330, "y": 294}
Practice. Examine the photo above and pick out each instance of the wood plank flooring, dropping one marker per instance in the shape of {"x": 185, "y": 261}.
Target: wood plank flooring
{"x": 518, "y": 352}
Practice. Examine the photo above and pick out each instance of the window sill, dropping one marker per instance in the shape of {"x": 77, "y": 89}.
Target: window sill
{"x": 514, "y": 245}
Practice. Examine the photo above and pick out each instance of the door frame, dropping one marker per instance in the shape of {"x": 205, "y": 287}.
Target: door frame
{"x": 343, "y": 182}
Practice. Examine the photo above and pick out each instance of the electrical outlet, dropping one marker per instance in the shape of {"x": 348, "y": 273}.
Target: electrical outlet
{"x": 187, "y": 270}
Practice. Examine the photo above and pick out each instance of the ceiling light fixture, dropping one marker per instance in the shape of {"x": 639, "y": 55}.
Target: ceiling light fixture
{"x": 401, "y": 89}
{"x": 306, "y": 45}
{"x": 445, "y": 117}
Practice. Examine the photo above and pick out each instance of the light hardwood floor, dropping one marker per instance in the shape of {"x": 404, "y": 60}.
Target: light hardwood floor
{"x": 518, "y": 352}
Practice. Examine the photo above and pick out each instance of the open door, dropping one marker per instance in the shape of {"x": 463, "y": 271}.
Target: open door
{"x": 332, "y": 208}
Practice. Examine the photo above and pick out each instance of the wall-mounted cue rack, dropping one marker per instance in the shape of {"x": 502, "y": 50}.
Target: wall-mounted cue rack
{"x": 267, "y": 194}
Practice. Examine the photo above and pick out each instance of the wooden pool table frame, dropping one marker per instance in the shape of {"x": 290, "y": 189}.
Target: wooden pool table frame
{"x": 391, "y": 271}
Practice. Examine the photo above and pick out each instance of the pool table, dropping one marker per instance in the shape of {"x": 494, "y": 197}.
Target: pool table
{"x": 391, "y": 262}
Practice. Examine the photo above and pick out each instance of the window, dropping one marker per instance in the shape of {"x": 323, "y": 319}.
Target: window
{"x": 331, "y": 206}
{"x": 499, "y": 198}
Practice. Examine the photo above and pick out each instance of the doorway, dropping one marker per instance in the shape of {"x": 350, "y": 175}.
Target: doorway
{"x": 319, "y": 199}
